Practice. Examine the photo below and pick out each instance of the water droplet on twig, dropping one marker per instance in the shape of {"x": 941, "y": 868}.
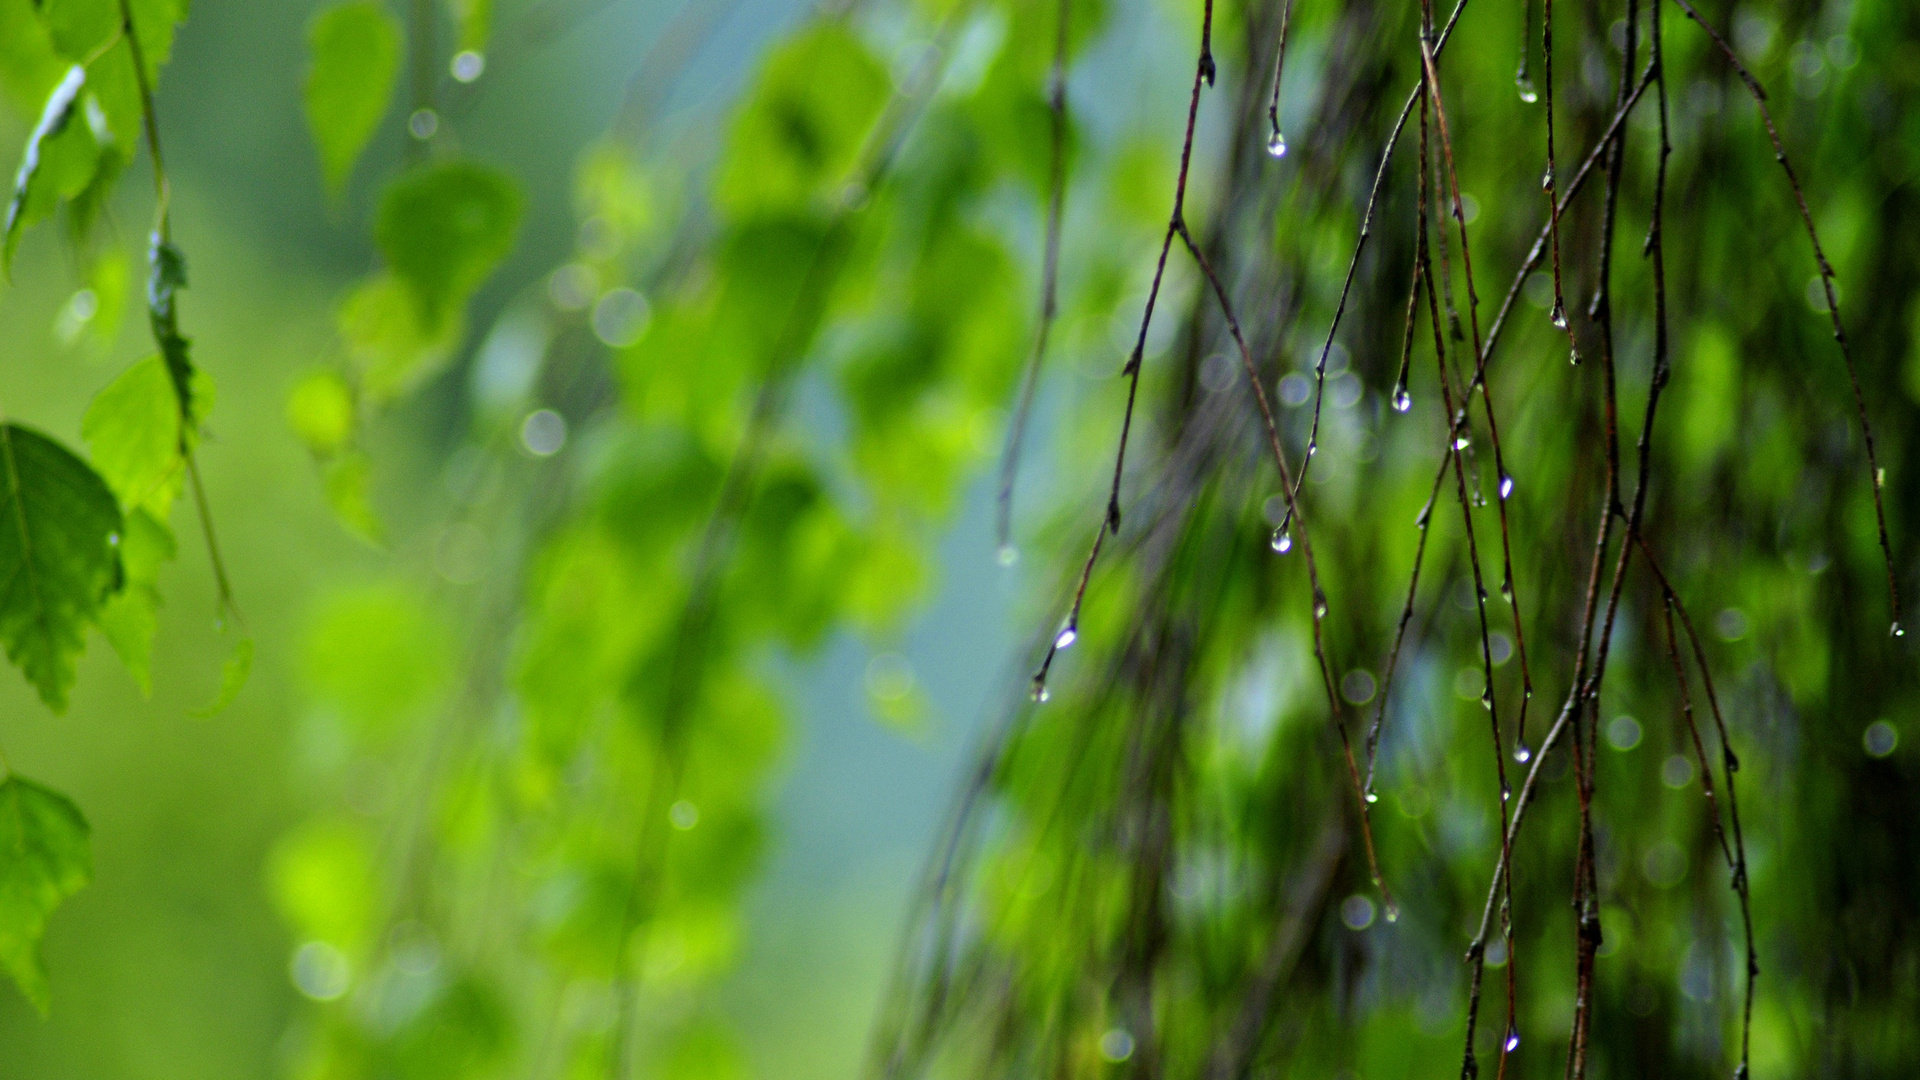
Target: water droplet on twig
{"x": 1522, "y": 753}
{"x": 1513, "y": 1039}
{"x": 1559, "y": 314}
{"x": 1067, "y": 636}
{"x": 1282, "y": 540}
{"x": 1277, "y": 145}
{"x": 1040, "y": 689}
{"x": 1525, "y": 85}
{"x": 1402, "y": 401}
{"x": 1008, "y": 555}
{"x": 1506, "y": 487}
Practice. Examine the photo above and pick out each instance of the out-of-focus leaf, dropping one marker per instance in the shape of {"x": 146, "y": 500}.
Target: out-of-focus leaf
{"x": 44, "y": 858}
{"x": 378, "y": 654}
{"x": 799, "y": 135}
{"x": 320, "y": 411}
{"x": 443, "y": 229}
{"x": 131, "y": 618}
{"x": 56, "y": 117}
{"x": 392, "y": 346}
{"x": 324, "y": 880}
{"x": 349, "y": 482}
{"x": 93, "y": 314}
{"x": 132, "y": 431}
{"x": 355, "y": 59}
{"x": 58, "y": 522}
{"x": 233, "y": 678}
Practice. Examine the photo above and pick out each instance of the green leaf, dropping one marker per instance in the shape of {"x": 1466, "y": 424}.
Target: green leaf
{"x": 132, "y": 431}
{"x": 799, "y": 135}
{"x": 44, "y": 858}
{"x": 321, "y": 411}
{"x": 130, "y": 620}
{"x": 388, "y": 342}
{"x": 166, "y": 276}
{"x": 56, "y": 116}
{"x": 443, "y": 229}
{"x": 356, "y": 60}
{"x": 58, "y": 525}
{"x": 233, "y": 678}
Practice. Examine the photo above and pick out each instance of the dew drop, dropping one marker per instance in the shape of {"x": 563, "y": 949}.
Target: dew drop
{"x": 1513, "y": 1039}
{"x": 423, "y": 124}
{"x": 1898, "y": 630}
{"x": 1486, "y": 698}
{"x": 1573, "y": 355}
{"x": 1277, "y": 145}
{"x": 1008, "y": 555}
{"x": 1373, "y": 797}
{"x": 1066, "y": 637}
{"x": 1546, "y": 179}
{"x": 1522, "y": 753}
{"x": 468, "y": 65}
{"x": 1392, "y": 911}
{"x": 1040, "y": 689}
{"x": 1559, "y": 315}
{"x": 1879, "y": 478}
{"x": 1319, "y": 604}
{"x": 1402, "y": 401}
{"x": 1506, "y": 589}
{"x": 1282, "y": 540}
{"x": 1527, "y": 93}
{"x": 1733, "y": 761}
{"x": 1461, "y": 442}
{"x": 1506, "y": 487}
{"x": 1207, "y": 68}
{"x": 1506, "y": 791}
{"x": 1313, "y": 447}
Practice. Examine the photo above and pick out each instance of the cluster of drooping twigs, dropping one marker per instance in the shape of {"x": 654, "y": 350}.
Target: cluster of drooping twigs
{"x": 962, "y": 980}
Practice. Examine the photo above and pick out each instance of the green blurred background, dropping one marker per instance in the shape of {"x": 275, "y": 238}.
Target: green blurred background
{"x": 174, "y": 962}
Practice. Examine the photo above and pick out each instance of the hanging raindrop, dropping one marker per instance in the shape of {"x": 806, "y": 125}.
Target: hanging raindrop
{"x": 1067, "y": 636}
{"x": 1373, "y": 797}
{"x": 1392, "y": 911}
{"x": 1527, "y": 93}
{"x": 1313, "y": 447}
{"x": 1401, "y": 400}
{"x": 1486, "y": 697}
{"x": 1319, "y": 604}
{"x": 1513, "y": 1038}
{"x": 1040, "y": 689}
{"x": 1559, "y": 315}
{"x": 1546, "y": 179}
{"x": 1506, "y": 487}
{"x": 1277, "y": 145}
{"x": 1008, "y": 555}
{"x": 1282, "y": 540}
{"x": 1898, "y": 630}
{"x": 1522, "y": 753}
{"x": 1506, "y": 589}
{"x": 1506, "y": 791}
{"x": 1461, "y": 442}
